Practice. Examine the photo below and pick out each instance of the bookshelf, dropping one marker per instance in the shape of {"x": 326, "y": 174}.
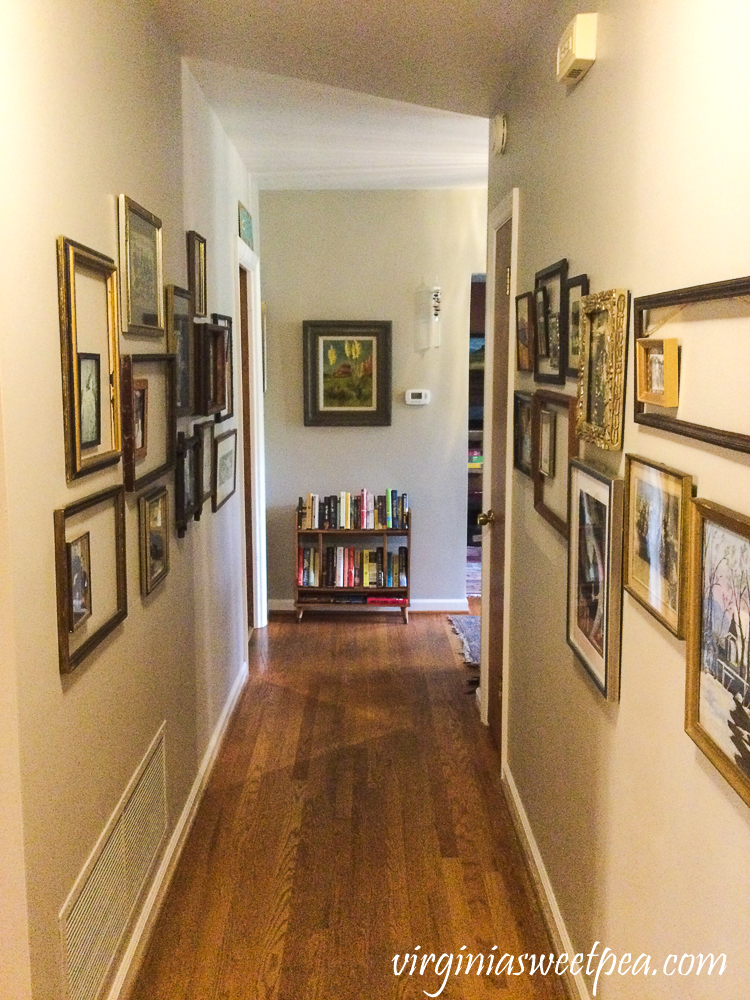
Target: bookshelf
{"x": 353, "y": 569}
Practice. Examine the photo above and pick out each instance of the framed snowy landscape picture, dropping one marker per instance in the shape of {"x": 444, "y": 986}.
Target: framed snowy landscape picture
{"x": 717, "y": 715}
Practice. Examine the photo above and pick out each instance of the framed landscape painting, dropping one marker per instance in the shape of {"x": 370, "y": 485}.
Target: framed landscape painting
{"x": 717, "y": 698}
{"x": 347, "y": 373}
{"x": 142, "y": 297}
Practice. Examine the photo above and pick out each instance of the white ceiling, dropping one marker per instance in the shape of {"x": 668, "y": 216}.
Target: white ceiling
{"x": 356, "y": 93}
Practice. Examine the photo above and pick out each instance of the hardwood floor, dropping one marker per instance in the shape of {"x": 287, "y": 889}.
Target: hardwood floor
{"x": 354, "y": 814}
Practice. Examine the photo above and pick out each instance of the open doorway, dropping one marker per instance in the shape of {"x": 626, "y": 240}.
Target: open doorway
{"x": 475, "y": 436}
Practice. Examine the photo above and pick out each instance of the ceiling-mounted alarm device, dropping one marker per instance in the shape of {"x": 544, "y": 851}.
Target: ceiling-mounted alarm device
{"x": 417, "y": 397}
{"x": 576, "y": 50}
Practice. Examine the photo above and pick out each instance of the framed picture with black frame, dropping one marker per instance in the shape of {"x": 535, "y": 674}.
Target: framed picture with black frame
{"x": 577, "y": 288}
{"x": 227, "y": 410}
{"x": 187, "y": 501}
{"x": 551, "y": 291}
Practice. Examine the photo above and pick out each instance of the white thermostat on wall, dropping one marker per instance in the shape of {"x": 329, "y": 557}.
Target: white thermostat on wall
{"x": 576, "y": 50}
{"x": 417, "y": 397}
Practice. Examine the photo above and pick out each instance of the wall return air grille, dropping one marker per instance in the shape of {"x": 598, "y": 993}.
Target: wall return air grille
{"x": 103, "y": 900}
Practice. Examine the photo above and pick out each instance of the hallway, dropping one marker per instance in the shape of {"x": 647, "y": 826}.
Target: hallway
{"x": 354, "y": 813}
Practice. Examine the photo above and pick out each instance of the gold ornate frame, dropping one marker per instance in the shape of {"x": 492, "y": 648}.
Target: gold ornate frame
{"x": 127, "y": 209}
{"x": 604, "y": 386}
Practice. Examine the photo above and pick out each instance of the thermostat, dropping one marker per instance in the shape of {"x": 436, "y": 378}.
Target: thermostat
{"x": 417, "y": 397}
{"x": 576, "y": 50}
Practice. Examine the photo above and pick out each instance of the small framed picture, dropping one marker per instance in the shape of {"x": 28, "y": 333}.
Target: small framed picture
{"x": 205, "y": 431}
{"x": 522, "y": 435}
{"x": 90, "y": 404}
{"x": 551, "y": 288}
{"x": 547, "y": 437}
{"x": 187, "y": 500}
{"x": 541, "y": 321}
{"x": 225, "y": 468}
{"x": 601, "y": 383}
{"x": 594, "y": 573}
{"x": 656, "y": 511}
{"x": 245, "y": 225}
{"x": 148, "y": 418}
{"x": 657, "y": 371}
{"x": 196, "y": 263}
{"x": 140, "y": 418}
{"x": 211, "y": 353}
{"x": 142, "y": 293}
{"x": 553, "y": 427}
{"x": 79, "y": 579}
{"x": 577, "y": 288}
{"x": 717, "y": 698}
{"x": 525, "y": 332}
{"x": 153, "y": 512}
{"x": 227, "y": 366}
{"x": 181, "y": 343}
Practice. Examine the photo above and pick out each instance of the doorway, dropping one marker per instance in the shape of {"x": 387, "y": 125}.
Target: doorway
{"x": 477, "y": 301}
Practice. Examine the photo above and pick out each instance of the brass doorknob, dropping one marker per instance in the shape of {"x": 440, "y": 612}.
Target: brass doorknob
{"x": 488, "y": 518}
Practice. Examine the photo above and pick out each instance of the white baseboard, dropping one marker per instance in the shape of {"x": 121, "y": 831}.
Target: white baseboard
{"x": 134, "y": 953}
{"x": 418, "y": 604}
{"x": 553, "y": 917}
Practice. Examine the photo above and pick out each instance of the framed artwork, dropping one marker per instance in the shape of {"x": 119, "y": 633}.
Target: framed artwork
{"x": 187, "y": 499}
{"x": 196, "y": 264}
{"x": 210, "y": 368}
{"x": 181, "y": 343}
{"x": 551, "y": 290}
{"x": 347, "y": 373}
{"x": 541, "y": 320}
{"x": 525, "y": 321}
{"x": 90, "y": 399}
{"x": 577, "y": 288}
{"x": 245, "y": 222}
{"x": 711, "y": 327}
{"x": 522, "y": 432}
{"x": 655, "y": 559}
{"x": 140, "y": 418}
{"x": 148, "y": 417}
{"x": 553, "y": 427}
{"x": 141, "y": 287}
{"x": 205, "y": 432}
{"x": 89, "y": 332}
{"x": 227, "y": 410}
{"x": 603, "y": 357}
{"x": 717, "y": 717}
{"x": 594, "y": 573}
{"x": 224, "y": 468}
{"x": 657, "y": 371}
{"x": 89, "y": 553}
{"x": 79, "y": 579}
{"x": 153, "y": 512}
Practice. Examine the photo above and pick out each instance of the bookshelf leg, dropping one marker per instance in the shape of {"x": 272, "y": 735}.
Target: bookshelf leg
{"x": 405, "y": 615}
{"x": 300, "y": 612}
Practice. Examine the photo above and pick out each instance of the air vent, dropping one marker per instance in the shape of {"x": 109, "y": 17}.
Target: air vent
{"x": 99, "y": 909}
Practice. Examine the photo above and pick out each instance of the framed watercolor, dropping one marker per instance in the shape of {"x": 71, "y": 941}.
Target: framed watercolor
{"x": 89, "y": 332}
{"x": 577, "y": 288}
{"x": 148, "y": 417}
{"x": 224, "y": 468}
{"x": 90, "y": 399}
{"x": 196, "y": 265}
{"x": 554, "y": 442}
{"x": 525, "y": 322}
{"x": 181, "y": 343}
{"x": 551, "y": 285}
{"x": 245, "y": 225}
{"x": 657, "y": 371}
{"x": 595, "y": 573}
{"x": 227, "y": 410}
{"x": 187, "y": 500}
{"x": 89, "y": 553}
{"x": 541, "y": 328}
{"x": 153, "y": 511}
{"x": 657, "y": 499}
{"x": 141, "y": 287}
{"x": 522, "y": 432}
{"x": 711, "y": 324}
{"x": 79, "y": 579}
{"x": 601, "y": 382}
{"x": 210, "y": 368}
{"x": 347, "y": 373}
{"x": 205, "y": 431}
{"x": 717, "y": 696}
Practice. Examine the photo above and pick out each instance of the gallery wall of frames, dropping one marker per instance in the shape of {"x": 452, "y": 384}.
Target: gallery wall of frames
{"x": 122, "y": 409}
{"x": 684, "y": 558}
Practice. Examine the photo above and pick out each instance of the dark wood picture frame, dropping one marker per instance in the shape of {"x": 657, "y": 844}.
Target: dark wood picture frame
{"x": 604, "y": 356}
{"x": 140, "y": 418}
{"x": 141, "y": 281}
{"x": 227, "y": 410}
{"x": 181, "y": 343}
{"x": 90, "y": 384}
{"x": 577, "y": 288}
{"x": 715, "y": 291}
{"x": 130, "y": 363}
{"x": 210, "y": 368}
{"x": 541, "y": 330}
{"x": 525, "y": 332}
{"x": 548, "y": 399}
{"x": 71, "y": 658}
{"x": 224, "y": 445}
{"x": 523, "y": 434}
{"x": 205, "y": 431}
{"x": 350, "y": 375}
{"x": 552, "y": 366}
{"x": 187, "y": 502}
{"x": 154, "y": 538}
{"x": 197, "y": 273}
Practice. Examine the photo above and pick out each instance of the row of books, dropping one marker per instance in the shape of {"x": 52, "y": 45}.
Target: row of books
{"x": 344, "y": 511}
{"x": 346, "y": 566}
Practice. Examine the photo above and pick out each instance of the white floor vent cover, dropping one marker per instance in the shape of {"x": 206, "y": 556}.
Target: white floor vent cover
{"x": 99, "y": 908}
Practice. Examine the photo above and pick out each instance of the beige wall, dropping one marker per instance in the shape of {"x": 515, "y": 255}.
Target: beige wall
{"x": 362, "y": 255}
{"x": 92, "y": 99}
{"x": 639, "y": 177}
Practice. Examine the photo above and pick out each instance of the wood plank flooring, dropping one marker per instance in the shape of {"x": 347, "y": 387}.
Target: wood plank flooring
{"x": 354, "y": 814}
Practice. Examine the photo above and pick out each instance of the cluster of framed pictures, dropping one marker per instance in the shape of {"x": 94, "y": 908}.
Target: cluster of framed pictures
{"x": 125, "y": 406}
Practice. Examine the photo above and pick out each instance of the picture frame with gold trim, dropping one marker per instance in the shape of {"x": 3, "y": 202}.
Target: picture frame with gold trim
{"x": 141, "y": 281}
{"x": 601, "y": 377}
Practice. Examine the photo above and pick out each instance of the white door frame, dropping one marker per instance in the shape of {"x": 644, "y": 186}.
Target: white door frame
{"x": 250, "y": 262}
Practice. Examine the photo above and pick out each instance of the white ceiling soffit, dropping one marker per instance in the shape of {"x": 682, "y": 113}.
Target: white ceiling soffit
{"x": 294, "y": 134}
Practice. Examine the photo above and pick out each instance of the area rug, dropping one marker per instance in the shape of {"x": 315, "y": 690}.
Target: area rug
{"x": 466, "y": 628}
